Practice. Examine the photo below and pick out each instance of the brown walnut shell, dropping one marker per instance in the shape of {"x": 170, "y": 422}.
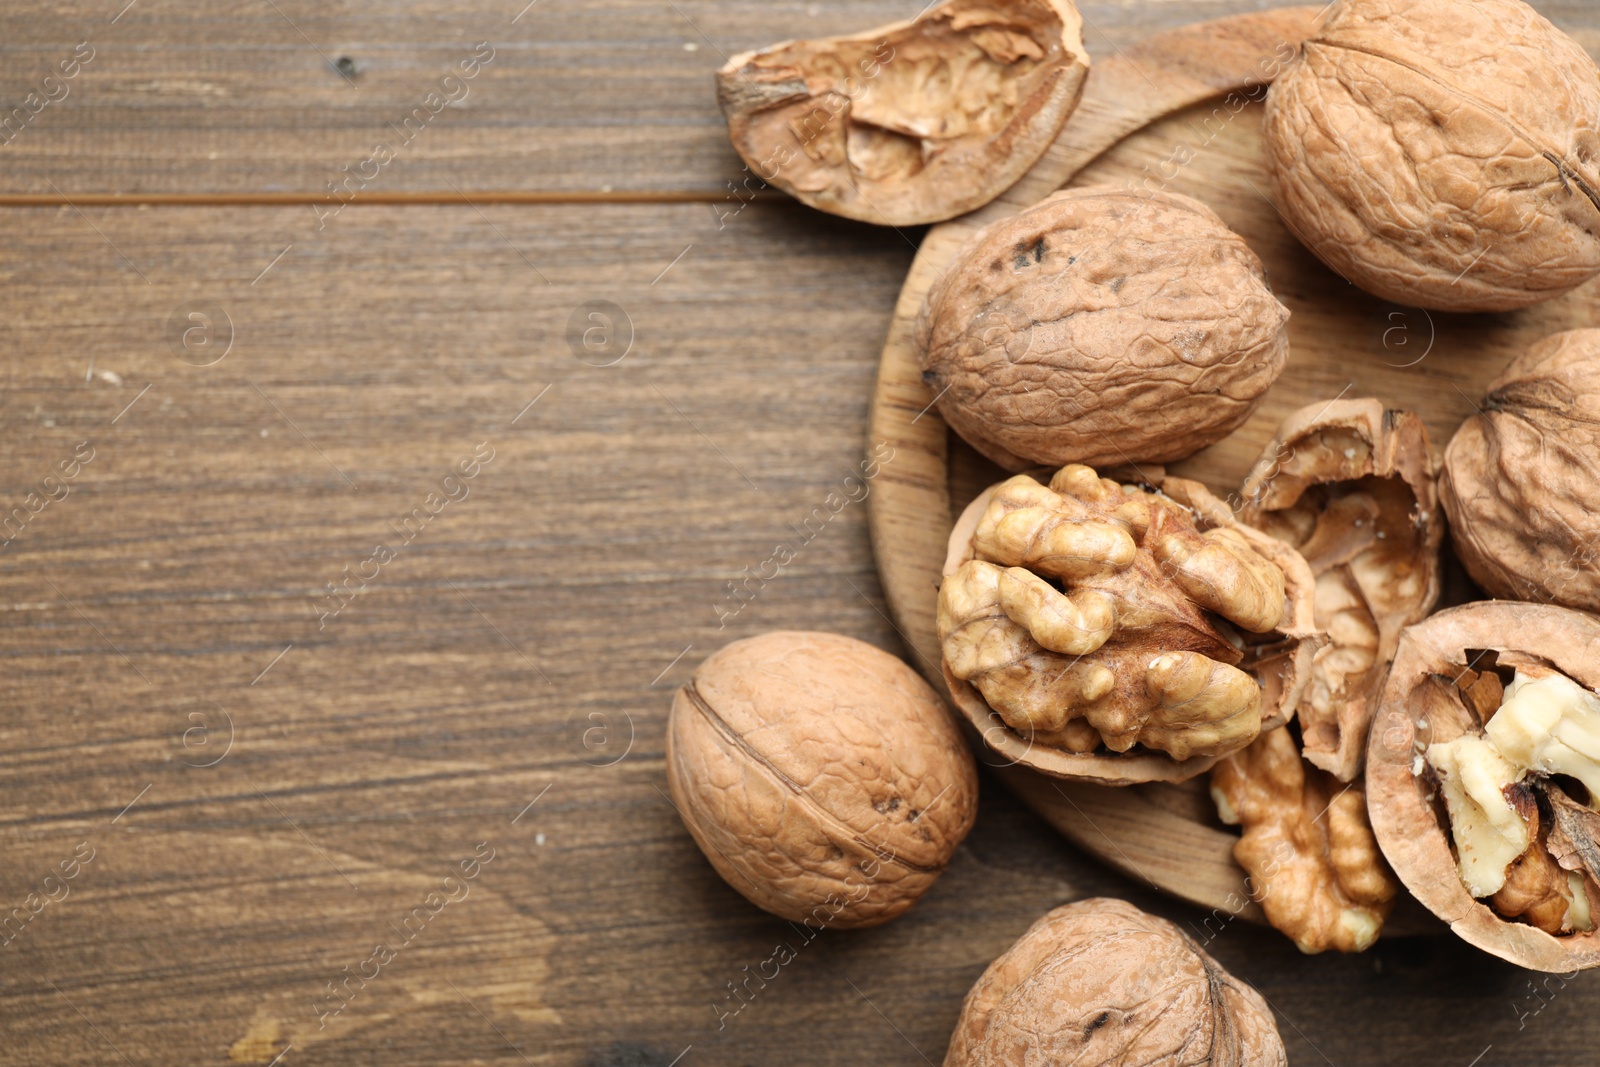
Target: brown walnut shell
{"x": 1352, "y": 486}
{"x": 1101, "y": 982}
{"x": 1421, "y": 705}
{"x": 1441, "y": 153}
{"x": 822, "y": 777}
{"x": 913, "y": 122}
{"x": 1280, "y": 666}
{"x": 1101, "y": 326}
{"x": 1522, "y": 477}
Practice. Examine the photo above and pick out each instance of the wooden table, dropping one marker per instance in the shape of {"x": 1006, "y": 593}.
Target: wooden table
{"x": 529, "y": 544}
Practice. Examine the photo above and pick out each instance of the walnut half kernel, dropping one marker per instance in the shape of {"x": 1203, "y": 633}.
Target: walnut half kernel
{"x": 1313, "y": 864}
{"x": 1118, "y": 632}
{"x": 1492, "y": 783}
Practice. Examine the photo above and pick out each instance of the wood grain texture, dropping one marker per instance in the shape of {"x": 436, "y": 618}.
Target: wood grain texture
{"x": 599, "y": 542}
{"x": 1343, "y": 342}
{"x": 384, "y": 747}
{"x": 216, "y": 98}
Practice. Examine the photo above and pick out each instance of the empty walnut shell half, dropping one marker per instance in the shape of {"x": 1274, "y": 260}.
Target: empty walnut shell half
{"x": 1101, "y": 982}
{"x": 822, "y": 777}
{"x": 1522, "y": 477}
{"x": 1442, "y": 154}
{"x": 1352, "y": 486}
{"x": 1453, "y": 676}
{"x": 1101, "y": 326}
{"x": 914, "y": 122}
{"x": 1120, "y": 633}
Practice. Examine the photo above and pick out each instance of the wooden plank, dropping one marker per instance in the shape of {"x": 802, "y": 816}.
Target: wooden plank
{"x": 600, "y": 97}
{"x": 371, "y": 757}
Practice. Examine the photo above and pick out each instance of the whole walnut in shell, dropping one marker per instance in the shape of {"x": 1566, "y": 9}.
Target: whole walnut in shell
{"x": 1442, "y": 153}
{"x": 1101, "y": 326}
{"x": 822, "y": 777}
{"x": 1483, "y": 777}
{"x": 1101, "y": 982}
{"x": 1522, "y": 477}
{"x": 1352, "y": 486}
{"x": 1120, "y": 634}
{"x": 915, "y": 122}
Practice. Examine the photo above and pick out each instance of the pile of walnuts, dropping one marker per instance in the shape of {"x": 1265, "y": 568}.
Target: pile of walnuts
{"x": 1104, "y": 621}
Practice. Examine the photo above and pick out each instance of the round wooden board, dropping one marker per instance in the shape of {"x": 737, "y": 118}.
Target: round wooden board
{"x": 1172, "y": 113}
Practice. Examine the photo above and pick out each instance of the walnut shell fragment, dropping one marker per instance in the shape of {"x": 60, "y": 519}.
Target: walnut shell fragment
{"x": 1352, "y": 487}
{"x": 912, "y": 122}
{"x": 1118, "y": 633}
{"x": 1440, "y": 153}
{"x": 1101, "y": 326}
{"x": 1522, "y": 477}
{"x": 822, "y": 777}
{"x": 1448, "y": 684}
{"x": 1308, "y": 850}
{"x": 1101, "y": 982}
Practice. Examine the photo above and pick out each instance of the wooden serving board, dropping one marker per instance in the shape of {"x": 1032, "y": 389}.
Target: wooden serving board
{"x": 1180, "y": 111}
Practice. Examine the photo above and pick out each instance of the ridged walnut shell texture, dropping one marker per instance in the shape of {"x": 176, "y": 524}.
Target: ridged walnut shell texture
{"x": 1522, "y": 478}
{"x": 1100, "y": 983}
{"x": 1353, "y": 487}
{"x": 1103, "y": 327}
{"x": 1418, "y": 709}
{"x": 1442, "y": 153}
{"x": 822, "y": 777}
{"x": 914, "y": 122}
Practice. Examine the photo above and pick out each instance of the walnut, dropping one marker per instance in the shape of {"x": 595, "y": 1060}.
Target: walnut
{"x": 822, "y": 777}
{"x": 1118, "y": 633}
{"x": 1101, "y": 326}
{"x": 913, "y": 122}
{"x": 1101, "y": 982}
{"x": 1522, "y": 477}
{"x": 1483, "y": 775}
{"x": 1441, "y": 154}
{"x": 1352, "y": 487}
{"x": 1312, "y": 861}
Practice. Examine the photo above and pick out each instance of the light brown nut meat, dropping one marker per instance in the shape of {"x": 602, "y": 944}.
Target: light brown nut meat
{"x": 1312, "y": 861}
{"x": 914, "y": 122}
{"x": 1442, "y": 154}
{"x": 1101, "y": 326}
{"x": 822, "y": 777}
{"x": 1101, "y": 982}
{"x": 1417, "y": 798}
{"x": 1522, "y": 477}
{"x": 1537, "y": 890}
{"x": 1353, "y": 487}
{"x": 1120, "y": 672}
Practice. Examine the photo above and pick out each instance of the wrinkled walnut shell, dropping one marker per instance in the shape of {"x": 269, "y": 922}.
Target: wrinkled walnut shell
{"x": 1352, "y": 487}
{"x": 1101, "y": 982}
{"x": 913, "y": 122}
{"x": 1442, "y": 154}
{"x": 822, "y": 777}
{"x": 1281, "y": 671}
{"x": 1101, "y": 326}
{"x": 1522, "y": 477}
{"x": 1417, "y": 709}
